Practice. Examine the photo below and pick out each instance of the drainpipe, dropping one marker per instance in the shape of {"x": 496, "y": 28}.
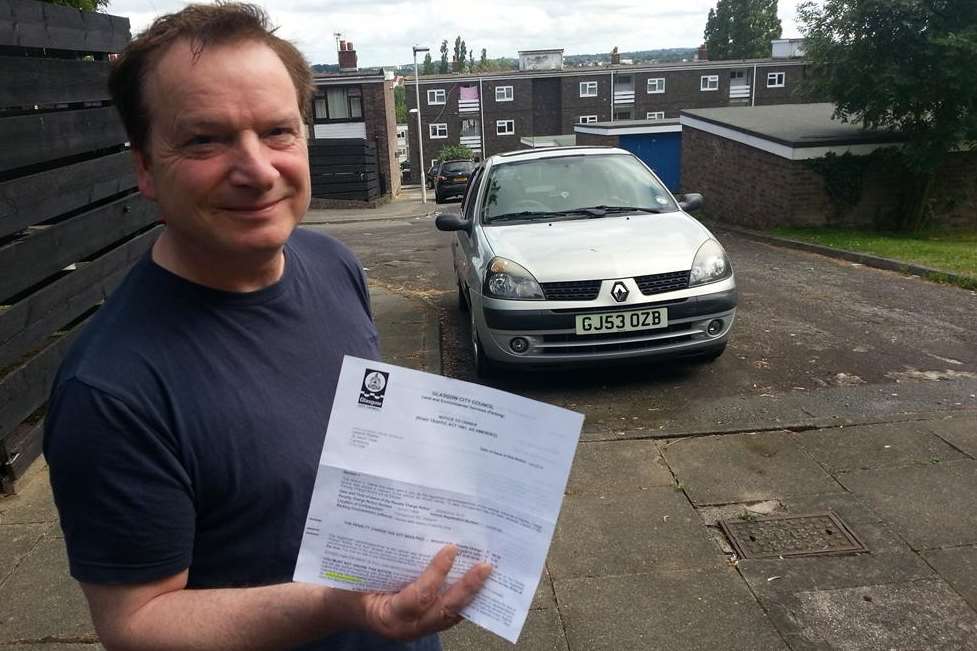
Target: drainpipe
{"x": 612, "y": 95}
{"x": 753, "y": 88}
{"x": 481, "y": 113}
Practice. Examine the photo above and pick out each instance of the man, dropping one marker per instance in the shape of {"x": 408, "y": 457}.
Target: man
{"x": 185, "y": 426}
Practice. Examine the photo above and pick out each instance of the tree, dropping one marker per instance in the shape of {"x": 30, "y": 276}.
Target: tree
{"x": 84, "y": 5}
{"x": 400, "y": 103}
{"x": 443, "y": 66}
{"x": 471, "y": 62}
{"x": 905, "y": 65}
{"x": 462, "y": 55}
{"x": 483, "y": 61}
{"x": 456, "y": 55}
{"x": 741, "y": 29}
{"x": 428, "y": 68}
{"x": 455, "y": 152}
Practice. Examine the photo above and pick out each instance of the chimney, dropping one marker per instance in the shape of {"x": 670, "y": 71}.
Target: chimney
{"x": 702, "y": 54}
{"x": 615, "y": 57}
{"x": 347, "y": 57}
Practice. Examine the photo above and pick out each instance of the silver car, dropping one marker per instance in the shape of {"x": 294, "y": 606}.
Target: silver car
{"x": 580, "y": 254}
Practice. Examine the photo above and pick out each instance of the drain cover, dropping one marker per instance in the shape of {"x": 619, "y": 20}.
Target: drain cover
{"x": 792, "y": 535}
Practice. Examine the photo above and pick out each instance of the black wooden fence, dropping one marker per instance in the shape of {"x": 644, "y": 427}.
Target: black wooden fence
{"x": 71, "y": 222}
{"x": 344, "y": 170}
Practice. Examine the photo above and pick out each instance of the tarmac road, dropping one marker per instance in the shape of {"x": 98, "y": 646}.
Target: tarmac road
{"x": 817, "y": 341}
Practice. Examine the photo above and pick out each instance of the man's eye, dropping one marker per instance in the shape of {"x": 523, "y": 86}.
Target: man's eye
{"x": 200, "y": 139}
{"x": 281, "y": 133}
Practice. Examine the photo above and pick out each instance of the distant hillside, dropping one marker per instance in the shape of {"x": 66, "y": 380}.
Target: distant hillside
{"x": 641, "y": 56}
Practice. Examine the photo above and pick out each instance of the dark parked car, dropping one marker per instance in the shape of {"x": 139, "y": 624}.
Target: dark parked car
{"x": 451, "y": 179}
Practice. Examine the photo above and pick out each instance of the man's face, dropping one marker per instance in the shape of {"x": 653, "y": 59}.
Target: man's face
{"x": 226, "y": 158}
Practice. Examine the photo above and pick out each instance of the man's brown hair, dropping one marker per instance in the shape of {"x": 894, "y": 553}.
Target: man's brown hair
{"x": 202, "y": 25}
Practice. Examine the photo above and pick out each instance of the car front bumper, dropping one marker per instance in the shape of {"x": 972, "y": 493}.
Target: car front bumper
{"x": 552, "y": 339}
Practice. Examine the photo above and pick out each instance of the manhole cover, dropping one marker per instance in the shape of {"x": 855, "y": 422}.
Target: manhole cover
{"x": 792, "y": 535}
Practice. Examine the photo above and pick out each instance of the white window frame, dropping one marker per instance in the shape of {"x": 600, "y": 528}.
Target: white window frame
{"x": 505, "y": 127}
{"x": 434, "y": 163}
{"x": 782, "y": 76}
{"x": 587, "y": 119}
{"x": 435, "y": 128}
{"x": 659, "y": 85}
{"x": 655, "y": 115}
{"x": 507, "y": 94}
{"x": 706, "y": 83}
{"x": 433, "y": 94}
{"x": 588, "y": 85}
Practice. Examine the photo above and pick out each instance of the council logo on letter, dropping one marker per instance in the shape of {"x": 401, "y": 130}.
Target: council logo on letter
{"x": 374, "y": 386}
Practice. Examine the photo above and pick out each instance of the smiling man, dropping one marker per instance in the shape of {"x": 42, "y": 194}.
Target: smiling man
{"x": 185, "y": 425}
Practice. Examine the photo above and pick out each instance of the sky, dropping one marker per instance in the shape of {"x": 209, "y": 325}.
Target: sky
{"x": 383, "y": 31}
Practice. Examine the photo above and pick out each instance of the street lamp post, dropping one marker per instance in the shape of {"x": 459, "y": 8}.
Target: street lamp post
{"x": 420, "y": 137}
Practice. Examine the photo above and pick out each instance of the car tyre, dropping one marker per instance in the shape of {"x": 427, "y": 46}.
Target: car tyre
{"x": 484, "y": 367}
{"x": 462, "y": 299}
{"x": 437, "y": 198}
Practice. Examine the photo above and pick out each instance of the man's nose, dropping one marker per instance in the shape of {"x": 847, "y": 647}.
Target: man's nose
{"x": 252, "y": 164}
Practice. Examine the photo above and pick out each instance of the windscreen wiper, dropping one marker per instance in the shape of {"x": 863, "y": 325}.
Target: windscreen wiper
{"x": 520, "y": 215}
{"x": 600, "y": 211}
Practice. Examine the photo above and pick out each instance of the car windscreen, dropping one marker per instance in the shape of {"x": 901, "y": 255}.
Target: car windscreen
{"x": 463, "y": 167}
{"x": 545, "y": 187}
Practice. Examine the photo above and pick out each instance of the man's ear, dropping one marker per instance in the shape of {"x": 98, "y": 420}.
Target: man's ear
{"x": 144, "y": 176}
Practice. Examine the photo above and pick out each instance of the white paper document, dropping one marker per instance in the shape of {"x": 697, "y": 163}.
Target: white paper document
{"x": 414, "y": 461}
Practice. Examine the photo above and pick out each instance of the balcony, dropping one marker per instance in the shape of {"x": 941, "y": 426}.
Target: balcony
{"x": 739, "y": 92}
{"x": 624, "y": 96}
{"x": 472, "y": 142}
{"x": 468, "y": 100}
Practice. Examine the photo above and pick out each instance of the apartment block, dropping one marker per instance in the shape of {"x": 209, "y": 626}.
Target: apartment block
{"x": 491, "y": 112}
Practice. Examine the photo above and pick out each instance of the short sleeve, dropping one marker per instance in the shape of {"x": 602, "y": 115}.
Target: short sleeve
{"x": 125, "y": 500}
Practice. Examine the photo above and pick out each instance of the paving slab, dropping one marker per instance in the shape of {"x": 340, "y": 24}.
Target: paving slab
{"x": 544, "y": 593}
{"x": 631, "y": 533}
{"x": 32, "y": 504}
{"x": 48, "y": 604}
{"x": 903, "y": 616}
{"x": 615, "y": 467}
{"x": 961, "y": 432}
{"x": 16, "y": 542}
{"x": 958, "y": 566}
{"x": 929, "y": 506}
{"x": 843, "y": 449}
{"x": 408, "y": 329}
{"x": 745, "y": 468}
{"x": 543, "y": 632}
{"x": 850, "y": 508}
{"x": 664, "y": 610}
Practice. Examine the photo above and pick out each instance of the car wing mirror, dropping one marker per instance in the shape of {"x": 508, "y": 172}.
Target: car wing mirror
{"x": 451, "y": 221}
{"x": 690, "y": 202}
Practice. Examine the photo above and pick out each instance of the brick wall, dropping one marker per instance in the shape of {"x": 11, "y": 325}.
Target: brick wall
{"x": 381, "y": 128}
{"x": 749, "y": 187}
{"x": 573, "y": 106}
{"x": 520, "y": 110}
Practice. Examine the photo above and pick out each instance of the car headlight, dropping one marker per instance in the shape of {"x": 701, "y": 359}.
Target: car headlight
{"x": 710, "y": 265}
{"x": 506, "y": 279}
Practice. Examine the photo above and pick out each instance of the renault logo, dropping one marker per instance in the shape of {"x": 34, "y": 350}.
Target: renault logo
{"x": 619, "y": 292}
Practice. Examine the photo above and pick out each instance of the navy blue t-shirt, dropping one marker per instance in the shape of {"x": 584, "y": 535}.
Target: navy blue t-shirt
{"x": 185, "y": 425}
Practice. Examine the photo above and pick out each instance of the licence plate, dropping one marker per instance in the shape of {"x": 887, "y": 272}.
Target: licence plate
{"x": 594, "y": 324}
{"x": 460, "y": 179}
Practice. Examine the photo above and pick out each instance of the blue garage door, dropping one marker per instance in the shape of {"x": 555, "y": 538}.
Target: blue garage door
{"x": 661, "y": 152}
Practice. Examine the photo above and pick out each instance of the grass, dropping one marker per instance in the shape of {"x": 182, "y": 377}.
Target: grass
{"x": 949, "y": 252}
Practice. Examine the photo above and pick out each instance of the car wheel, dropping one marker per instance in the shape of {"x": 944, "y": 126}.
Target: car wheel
{"x": 437, "y": 198}
{"x": 462, "y": 299}
{"x": 484, "y": 368}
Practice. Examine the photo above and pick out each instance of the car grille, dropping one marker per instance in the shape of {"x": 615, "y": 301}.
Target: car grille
{"x": 661, "y": 283}
{"x": 617, "y": 341}
{"x": 582, "y": 290}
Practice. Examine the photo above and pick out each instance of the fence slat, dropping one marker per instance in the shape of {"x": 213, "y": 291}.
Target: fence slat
{"x": 33, "y": 199}
{"x": 29, "y": 81}
{"x": 42, "y": 137}
{"x": 24, "y": 325}
{"x": 27, "y": 23}
{"x": 45, "y": 250}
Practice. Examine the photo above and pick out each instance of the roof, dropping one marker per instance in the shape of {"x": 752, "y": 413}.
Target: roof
{"x": 551, "y": 152}
{"x": 550, "y": 51}
{"x": 794, "y": 131}
{"x": 539, "y": 142}
{"x": 363, "y": 75}
{"x": 628, "y": 127}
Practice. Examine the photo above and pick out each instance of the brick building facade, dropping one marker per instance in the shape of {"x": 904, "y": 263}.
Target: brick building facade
{"x": 502, "y": 108}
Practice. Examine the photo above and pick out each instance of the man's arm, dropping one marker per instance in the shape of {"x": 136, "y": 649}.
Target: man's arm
{"x": 166, "y": 615}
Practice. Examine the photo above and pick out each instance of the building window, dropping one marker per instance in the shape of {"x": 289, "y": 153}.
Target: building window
{"x": 341, "y": 103}
{"x": 434, "y": 162}
{"x": 588, "y": 89}
{"x": 503, "y": 93}
{"x": 623, "y": 115}
{"x": 655, "y": 115}
{"x": 587, "y": 119}
{"x": 438, "y": 130}
{"x": 435, "y": 96}
{"x": 709, "y": 82}
{"x": 656, "y": 85}
{"x": 505, "y": 127}
{"x": 775, "y": 79}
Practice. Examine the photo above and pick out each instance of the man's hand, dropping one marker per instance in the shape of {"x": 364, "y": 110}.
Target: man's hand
{"x": 422, "y": 608}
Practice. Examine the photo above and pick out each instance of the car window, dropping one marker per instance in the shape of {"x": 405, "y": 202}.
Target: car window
{"x": 457, "y": 167}
{"x": 471, "y": 194}
{"x": 567, "y": 183}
